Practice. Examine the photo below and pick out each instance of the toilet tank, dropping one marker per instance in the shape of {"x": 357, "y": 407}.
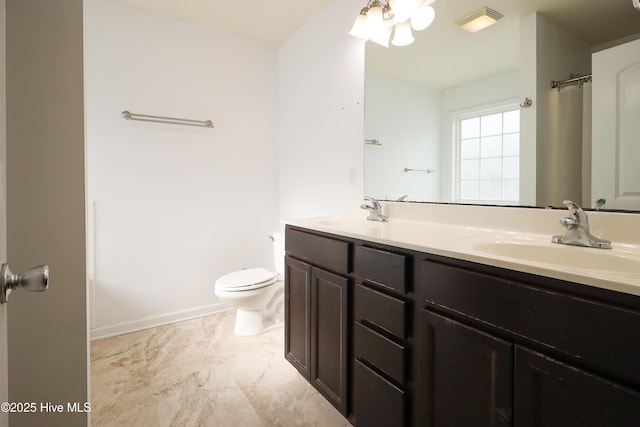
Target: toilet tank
{"x": 278, "y": 252}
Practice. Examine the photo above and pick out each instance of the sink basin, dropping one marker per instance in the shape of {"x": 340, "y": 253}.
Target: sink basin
{"x": 341, "y": 223}
{"x": 352, "y": 226}
{"x": 569, "y": 256}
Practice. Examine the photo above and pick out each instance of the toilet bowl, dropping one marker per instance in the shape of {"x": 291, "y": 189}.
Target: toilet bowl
{"x": 257, "y": 294}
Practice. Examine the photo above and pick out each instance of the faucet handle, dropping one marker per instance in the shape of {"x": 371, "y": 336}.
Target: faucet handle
{"x": 577, "y": 213}
{"x": 571, "y": 205}
{"x": 374, "y": 202}
{"x": 568, "y": 222}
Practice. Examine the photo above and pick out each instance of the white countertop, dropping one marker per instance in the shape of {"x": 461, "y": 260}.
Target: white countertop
{"x": 616, "y": 269}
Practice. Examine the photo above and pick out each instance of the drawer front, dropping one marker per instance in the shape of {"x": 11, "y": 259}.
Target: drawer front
{"x": 382, "y": 267}
{"x": 377, "y": 402}
{"x": 324, "y": 252}
{"x": 387, "y": 312}
{"x": 600, "y": 335}
{"x": 381, "y": 352}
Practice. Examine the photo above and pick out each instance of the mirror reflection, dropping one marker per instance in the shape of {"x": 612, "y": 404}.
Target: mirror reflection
{"x": 462, "y": 117}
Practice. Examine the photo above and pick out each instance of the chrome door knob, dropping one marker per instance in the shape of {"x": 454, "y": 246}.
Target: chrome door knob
{"x": 35, "y": 280}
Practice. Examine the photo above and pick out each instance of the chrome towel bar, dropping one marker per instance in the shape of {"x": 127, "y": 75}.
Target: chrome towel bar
{"x": 127, "y": 115}
{"x": 418, "y": 170}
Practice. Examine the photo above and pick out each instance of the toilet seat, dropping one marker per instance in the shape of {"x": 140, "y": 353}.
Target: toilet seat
{"x": 247, "y": 279}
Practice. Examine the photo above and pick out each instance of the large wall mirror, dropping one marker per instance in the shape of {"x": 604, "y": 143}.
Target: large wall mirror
{"x": 461, "y": 117}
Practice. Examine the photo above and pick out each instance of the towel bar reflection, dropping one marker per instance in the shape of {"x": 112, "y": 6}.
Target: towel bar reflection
{"x": 127, "y": 115}
{"x": 418, "y": 170}
{"x": 372, "y": 142}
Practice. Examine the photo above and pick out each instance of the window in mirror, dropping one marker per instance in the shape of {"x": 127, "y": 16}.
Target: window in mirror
{"x": 488, "y": 160}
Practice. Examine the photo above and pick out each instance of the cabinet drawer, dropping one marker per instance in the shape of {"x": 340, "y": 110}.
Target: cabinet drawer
{"x": 384, "y": 311}
{"x": 381, "y": 352}
{"x": 378, "y": 403}
{"x": 325, "y": 252}
{"x": 382, "y": 267}
{"x": 598, "y": 335}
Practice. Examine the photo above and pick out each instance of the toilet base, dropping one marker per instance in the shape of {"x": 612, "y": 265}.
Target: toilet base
{"x": 253, "y": 322}
{"x": 248, "y": 322}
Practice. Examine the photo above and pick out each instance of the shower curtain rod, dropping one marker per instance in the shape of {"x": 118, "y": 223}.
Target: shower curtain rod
{"x": 580, "y": 80}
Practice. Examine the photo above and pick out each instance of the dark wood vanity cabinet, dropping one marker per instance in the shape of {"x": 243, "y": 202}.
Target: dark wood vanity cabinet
{"x": 550, "y": 393}
{"x": 381, "y": 328}
{"x": 525, "y": 352}
{"x": 298, "y": 315}
{"x": 473, "y": 378}
{"x": 466, "y": 375}
{"x": 317, "y": 316}
{"x": 329, "y": 336}
{"x": 393, "y": 337}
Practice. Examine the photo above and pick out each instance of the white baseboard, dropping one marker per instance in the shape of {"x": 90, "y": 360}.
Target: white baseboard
{"x": 153, "y": 321}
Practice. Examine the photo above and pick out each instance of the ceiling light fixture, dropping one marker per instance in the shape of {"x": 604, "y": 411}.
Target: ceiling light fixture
{"x": 380, "y": 18}
{"x": 479, "y": 19}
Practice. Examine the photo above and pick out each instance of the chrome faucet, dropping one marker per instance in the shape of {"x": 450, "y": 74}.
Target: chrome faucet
{"x": 577, "y": 225}
{"x": 375, "y": 210}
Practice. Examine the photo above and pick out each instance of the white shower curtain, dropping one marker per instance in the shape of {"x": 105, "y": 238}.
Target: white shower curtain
{"x": 566, "y": 153}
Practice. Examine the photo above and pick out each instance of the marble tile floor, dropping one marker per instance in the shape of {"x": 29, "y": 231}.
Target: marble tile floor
{"x": 198, "y": 373}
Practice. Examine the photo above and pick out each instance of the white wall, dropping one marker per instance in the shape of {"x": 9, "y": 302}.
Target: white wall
{"x": 321, "y": 101}
{"x": 528, "y": 89}
{"x": 405, "y": 118}
{"x": 175, "y": 206}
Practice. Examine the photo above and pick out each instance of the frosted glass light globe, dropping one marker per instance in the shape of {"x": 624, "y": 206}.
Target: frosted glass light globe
{"x": 423, "y": 18}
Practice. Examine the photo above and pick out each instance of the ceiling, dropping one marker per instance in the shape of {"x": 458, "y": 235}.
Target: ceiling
{"x": 430, "y": 60}
{"x": 270, "y": 21}
{"x": 469, "y": 56}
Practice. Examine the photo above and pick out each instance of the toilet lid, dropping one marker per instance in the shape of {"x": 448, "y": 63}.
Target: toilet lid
{"x": 250, "y": 278}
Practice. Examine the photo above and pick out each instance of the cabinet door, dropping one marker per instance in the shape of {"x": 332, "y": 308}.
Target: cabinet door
{"x": 549, "y": 393}
{"x": 377, "y": 402}
{"x": 466, "y": 376}
{"x": 329, "y": 329}
{"x": 297, "y": 315}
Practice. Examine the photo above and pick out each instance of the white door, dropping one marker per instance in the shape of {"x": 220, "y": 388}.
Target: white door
{"x": 616, "y": 126}
{"x": 43, "y": 335}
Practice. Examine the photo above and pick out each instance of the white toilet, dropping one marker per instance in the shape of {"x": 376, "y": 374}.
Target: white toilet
{"x": 256, "y": 293}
